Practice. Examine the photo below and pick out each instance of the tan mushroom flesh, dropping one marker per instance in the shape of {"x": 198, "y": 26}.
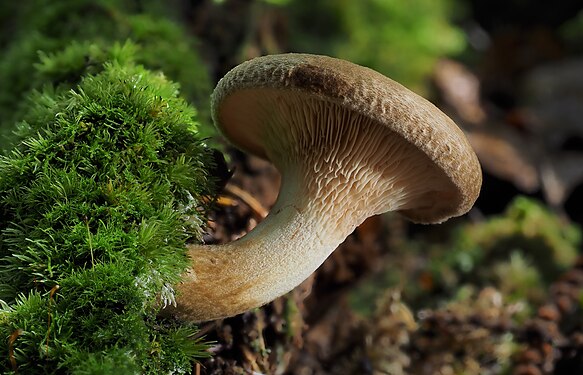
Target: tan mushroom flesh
{"x": 350, "y": 143}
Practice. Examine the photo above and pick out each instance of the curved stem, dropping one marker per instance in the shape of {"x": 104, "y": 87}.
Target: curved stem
{"x": 335, "y": 176}
{"x": 272, "y": 259}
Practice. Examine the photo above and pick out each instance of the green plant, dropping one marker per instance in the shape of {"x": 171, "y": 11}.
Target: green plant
{"x": 51, "y": 26}
{"x": 97, "y": 201}
{"x": 400, "y": 39}
{"x": 520, "y": 252}
{"x": 527, "y": 227}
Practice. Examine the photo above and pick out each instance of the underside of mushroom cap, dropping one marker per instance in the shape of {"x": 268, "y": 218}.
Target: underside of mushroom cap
{"x": 259, "y": 86}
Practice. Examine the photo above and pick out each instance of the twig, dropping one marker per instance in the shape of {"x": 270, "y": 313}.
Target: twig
{"x": 248, "y": 199}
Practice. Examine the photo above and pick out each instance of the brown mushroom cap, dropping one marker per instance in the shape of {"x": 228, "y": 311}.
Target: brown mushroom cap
{"x": 247, "y": 99}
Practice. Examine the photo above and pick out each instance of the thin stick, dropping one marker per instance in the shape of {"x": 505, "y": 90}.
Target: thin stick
{"x": 248, "y": 199}
{"x": 13, "y": 336}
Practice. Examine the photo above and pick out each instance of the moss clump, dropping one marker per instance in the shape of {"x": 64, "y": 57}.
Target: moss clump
{"x": 51, "y": 26}
{"x": 520, "y": 252}
{"x": 97, "y": 201}
{"x": 527, "y": 228}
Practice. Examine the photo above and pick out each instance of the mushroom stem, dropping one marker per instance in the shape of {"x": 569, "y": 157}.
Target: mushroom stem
{"x": 272, "y": 259}
{"x": 330, "y": 185}
{"x": 350, "y": 143}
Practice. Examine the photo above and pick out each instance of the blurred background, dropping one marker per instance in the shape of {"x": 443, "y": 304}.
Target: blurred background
{"x": 498, "y": 291}
{"x": 509, "y": 72}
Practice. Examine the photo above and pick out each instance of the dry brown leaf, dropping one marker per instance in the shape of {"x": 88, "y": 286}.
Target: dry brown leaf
{"x": 460, "y": 89}
{"x": 506, "y": 155}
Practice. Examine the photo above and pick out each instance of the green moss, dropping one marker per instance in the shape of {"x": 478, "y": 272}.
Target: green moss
{"x": 97, "y": 201}
{"x": 51, "y": 26}
{"x": 518, "y": 279}
{"x": 527, "y": 227}
{"x": 520, "y": 252}
{"x": 400, "y": 39}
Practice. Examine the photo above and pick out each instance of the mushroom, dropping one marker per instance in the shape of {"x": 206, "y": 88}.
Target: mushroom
{"x": 349, "y": 143}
